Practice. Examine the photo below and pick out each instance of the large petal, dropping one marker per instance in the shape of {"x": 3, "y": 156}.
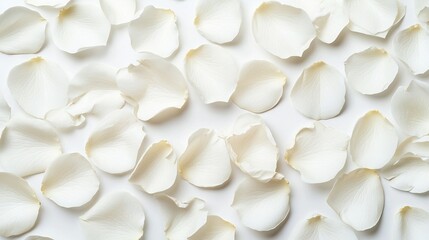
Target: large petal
{"x": 260, "y": 86}
{"x": 19, "y": 205}
{"x": 319, "y": 93}
{"x": 374, "y": 141}
{"x": 28, "y": 146}
{"x": 358, "y": 198}
{"x": 22, "y": 31}
{"x": 118, "y": 215}
{"x": 4, "y": 114}
{"x": 48, "y": 3}
{"x": 70, "y": 181}
{"x": 322, "y": 228}
{"x": 155, "y": 84}
{"x": 205, "y": 162}
{"x": 282, "y": 30}
{"x": 156, "y": 170}
{"x": 411, "y": 223}
{"x": 262, "y": 206}
{"x": 319, "y": 153}
{"x": 118, "y": 12}
{"x": 371, "y": 71}
{"x": 155, "y": 31}
{"x": 38, "y": 86}
{"x": 114, "y": 144}
{"x": 215, "y": 228}
{"x": 218, "y": 21}
{"x": 80, "y": 26}
{"x": 213, "y": 72}
{"x": 411, "y": 46}
{"x": 422, "y": 10}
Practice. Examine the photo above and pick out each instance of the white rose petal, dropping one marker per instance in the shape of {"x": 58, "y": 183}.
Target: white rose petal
{"x": 48, "y": 3}
{"x": 118, "y": 12}
{"x": 4, "y": 114}
{"x": 411, "y": 223}
{"x": 215, "y": 228}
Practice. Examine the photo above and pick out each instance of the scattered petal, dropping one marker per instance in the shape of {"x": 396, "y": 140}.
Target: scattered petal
{"x": 118, "y": 215}
{"x": 19, "y": 205}
{"x": 4, "y": 114}
{"x": 118, "y": 12}
{"x": 422, "y": 10}
{"x": 213, "y": 72}
{"x": 260, "y": 86}
{"x": 215, "y": 228}
{"x": 413, "y": 146}
{"x": 34, "y": 237}
{"x": 246, "y": 121}
{"x": 319, "y": 153}
{"x": 412, "y": 224}
{"x": 319, "y": 93}
{"x": 48, "y": 3}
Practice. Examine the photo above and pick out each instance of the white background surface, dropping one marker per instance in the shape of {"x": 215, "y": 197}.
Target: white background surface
{"x": 284, "y": 121}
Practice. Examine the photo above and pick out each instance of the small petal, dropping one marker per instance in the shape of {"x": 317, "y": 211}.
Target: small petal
{"x": 215, "y": 228}
{"x": 411, "y": 223}
{"x": 282, "y": 30}
{"x": 4, "y": 114}
{"x": 114, "y": 144}
{"x": 218, "y": 21}
{"x": 34, "y": 237}
{"x": 80, "y": 26}
{"x": 48, "y": 3}
{"x": 319, "y": 153}
{"x": 155, "y": 84}
{"x": 246, "y": 121}
{"x": 205, "y": 162}
{"x": 28, "y": 146}
{"x": 70, "y": 181}
{"x": 213, "y": 73}
{"x": 319, "y": 93}
{"x": 118, "y": 215}
{"x": 260, "y": 86}
{"x": 19, "y": 205}
{"x": 155, "y": 31}
{"x": 422, "y": 10}
{"x": 358, "y": 198}
{"x": 414, "y": 146}
{"x": 374, "y": 141}
{"x": 156, "y": 170}
{"x": 262, "y": 206}
{"x": 38, "y": 86}
{"x": 118, "y": 12}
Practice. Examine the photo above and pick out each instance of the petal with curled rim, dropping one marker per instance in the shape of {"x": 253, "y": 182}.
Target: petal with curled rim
{"x": 374, "y": 141}
{"x": 205, "y": 162}
{"x": 371, "y": 71}
{"x": 114, "y": 144}
{"x": 411, "y": 223}
{"x": 155, "y": 31}
{"x": 155, "y": 84}
{"x": 35, "y": 237}
{"x": 262, "y": 206}
{"x": 48, "y": 3}
{"x": 22, "y": 31}
{"x": 38, "y": 86}
{"x": 118, "y": 215}
{"x": 323, "y": 228}
{"x": 28, "y": 146}
{"x": 319, "y": 153}
{"x": 319, "y": 93}
{"x": 260, "y": 86}
{"x": 213, "y": 72}
{"x": 282, "y": 30}
{"x": 70, "y": 181}
{"x": 215, "y": 228}
{"x": 358, "y": 198}
{"x": 218, "y": 21}
{"x": 422, "y": 10}
{"x": 4, "y": 114}
{"x": 118, "y": 12}
{"x": 87, "y": 20}
{"x": 156, "y": 170}
{"x": 19, "y": 205}
{"x": 413, "y": 146}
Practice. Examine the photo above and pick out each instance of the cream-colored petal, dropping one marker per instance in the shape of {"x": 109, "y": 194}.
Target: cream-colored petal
{"x": 205, "y": 162}
{"x": 48, "y": 3}
{"x": 4, "y": 114}
{"x": 319, "y": 92}
{"x": 114, "y": 144}
{"x": 246, "y": 121}
{"x": 80, "y": 26}
{"x": 70, "y": 181}
{"x": 399, "y": 16}
{"x": 213, "y": 72}
{"x": 411, "y": 223}
{"x": 411, "y": 46}
{"x": 322, "y": 228}
{"x": 155, "y": 31}
{"x": 422, "y": 10}
{"x": 118, "y": 215}
{"x": 358, "y": 198}
{"x": 319, "y": 153}
{"x": 371, "y": 71}
{"x": 262, "y": 206}
{"x": 19, "y": 206}
{"x": 38, "y": 86}
{"x": 155, "y": 84}
{"x": 22, "y": 31}
{"x": 215, "y": 228}
{"x": 374, "y": 141}
{"x": 28, "y": 146}
{"x": 260, "y": 86}
{"x": 413, "y": 146}
{"x": 282, "y": 30}
{"x": 35, "y": 237}
{"x": 156, "y": 170}
{"x": 118, "y": 12}
{"x": 218, "y": 21}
